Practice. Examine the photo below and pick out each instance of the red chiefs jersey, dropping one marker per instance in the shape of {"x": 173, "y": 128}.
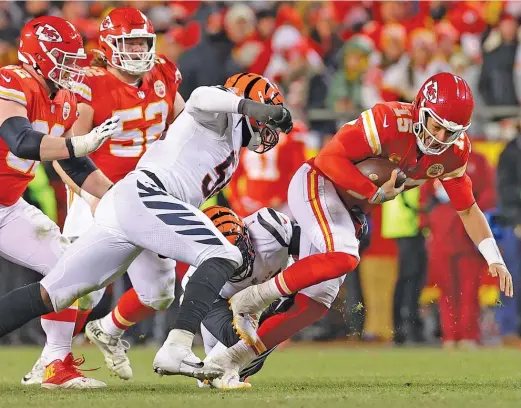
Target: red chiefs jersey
{"x": 144, "y": 112}
{"x": 386, "y": 131}
{"x": 50, "y": 116}
{"x": 262, "y": 180}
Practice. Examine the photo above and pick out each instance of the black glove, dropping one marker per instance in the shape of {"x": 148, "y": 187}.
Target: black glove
{"x": 285, "y": 123}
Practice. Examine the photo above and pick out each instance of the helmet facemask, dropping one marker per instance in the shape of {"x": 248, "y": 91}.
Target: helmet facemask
{"x": 427, "y": 142}
{"x": 135, "y": 63}
{"x": 244, "y": 244}
{"x": 263, "y": 136}
{"x": 66, "y": 72}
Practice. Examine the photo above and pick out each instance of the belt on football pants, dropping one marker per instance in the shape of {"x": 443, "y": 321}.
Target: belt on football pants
{"x": 154, "y": 179}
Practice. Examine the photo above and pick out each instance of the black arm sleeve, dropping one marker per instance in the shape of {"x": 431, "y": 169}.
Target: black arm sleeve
{"x": 259, "y": 111}
{"x": 22, "y": 140}
{"x": 78, "y": 169}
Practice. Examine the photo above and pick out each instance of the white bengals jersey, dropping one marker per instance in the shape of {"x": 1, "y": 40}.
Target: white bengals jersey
{"x": 199, "y": 153}
{"x": 270, "y": 232}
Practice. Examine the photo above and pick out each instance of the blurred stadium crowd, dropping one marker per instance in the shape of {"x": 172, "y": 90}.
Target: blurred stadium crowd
{"x": 421, "y": 278}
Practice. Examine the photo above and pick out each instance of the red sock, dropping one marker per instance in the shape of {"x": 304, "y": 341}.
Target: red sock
{"x": 314, "y": 269}
{"x": 130, "y": 310}
{"x": 80, "y": 321}
{"x": 283, "y": 326}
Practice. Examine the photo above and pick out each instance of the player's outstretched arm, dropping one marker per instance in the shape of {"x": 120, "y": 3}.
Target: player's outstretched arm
{"x": 26, "y": 143}
{"x": 459, "y": 190}
{"x": 477, "y": 228}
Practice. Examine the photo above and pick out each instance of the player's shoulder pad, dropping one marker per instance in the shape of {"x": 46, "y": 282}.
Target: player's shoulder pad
{"x": 168, "y": 69}
{"x": 457, "y": 157}
{"x": 376, "y": 123}
{"x": 17, "y": 84}
{"x": 270, "y": 227}
{"x": 95, "y": 77}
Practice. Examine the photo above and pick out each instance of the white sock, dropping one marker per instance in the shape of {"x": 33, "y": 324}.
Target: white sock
{"x": 241, "y": 353}
{"x": 59, "y": 339}
{"x": 108, "y": 325}
{"x": 216, "y": 349}
{"x": 183, "y": 337}
{"x": 268, "y": 291}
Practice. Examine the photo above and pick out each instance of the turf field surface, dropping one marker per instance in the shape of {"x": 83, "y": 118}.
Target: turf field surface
{"x": 302, "y": 376}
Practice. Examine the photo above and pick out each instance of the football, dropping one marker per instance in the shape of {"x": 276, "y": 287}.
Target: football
{"x": 378, "y": 170}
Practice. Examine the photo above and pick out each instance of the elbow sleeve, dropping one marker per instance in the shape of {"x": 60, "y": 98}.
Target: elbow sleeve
{"x": 22, "y": 140}
{"x": 78, "y": 169}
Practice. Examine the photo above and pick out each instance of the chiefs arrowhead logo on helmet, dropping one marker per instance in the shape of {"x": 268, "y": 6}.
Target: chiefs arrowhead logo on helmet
{"x": 106, "y": 24}
{"x": 430, "y": 91}
{"x": 48, "y": 33}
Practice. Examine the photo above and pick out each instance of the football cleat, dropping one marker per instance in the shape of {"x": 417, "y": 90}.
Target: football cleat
{"x": 65, "y": 374}
{"x": 35, "y": 376}
{"x": 113, "y": 348}
{"x": 231, "y": 367}
{"x": 177, "y": 359}
{"x": 247, "y": 306}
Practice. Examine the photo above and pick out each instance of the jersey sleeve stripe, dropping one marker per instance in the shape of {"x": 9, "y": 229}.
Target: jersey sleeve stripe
{"x": 13, "y": 95}
{"x": 456, "y": 173}
{"x": 84, "y": 91}
{"x": 371, "y": 132}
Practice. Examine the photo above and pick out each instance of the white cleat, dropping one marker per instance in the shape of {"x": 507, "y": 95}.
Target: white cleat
{"x": 230, "y": 379}
{"x": 113, "y": 348}
{"x": 177, "y": 359}
{"x": 247, "y": 306}
{"x": 35, "y": 376}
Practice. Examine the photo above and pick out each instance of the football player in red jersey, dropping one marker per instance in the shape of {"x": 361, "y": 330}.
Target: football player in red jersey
{"x": 263, "y": 180}
{"x": 426, "y": 139}
{"x": 128, "y": 79}
{"x": 37, "y": 112}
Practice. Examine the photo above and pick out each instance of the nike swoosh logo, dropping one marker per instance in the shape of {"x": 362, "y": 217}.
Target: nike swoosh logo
{"x": 6, "y": 79}
{"x": 385, "y": 122}
{"x": 27, "y": 377}
{"x": 194, "y": 365}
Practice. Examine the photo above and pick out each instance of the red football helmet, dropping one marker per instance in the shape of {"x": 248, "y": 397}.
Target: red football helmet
{"x": 448, "y": 100}
{"x": 123, "y": 24}
{"x": 52, "y": 45}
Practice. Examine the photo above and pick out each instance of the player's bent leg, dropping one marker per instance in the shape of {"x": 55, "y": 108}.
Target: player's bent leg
{"x": 327, "y": 226}
{"x": 42, "y": 246}
{"x": 153, "y": 279}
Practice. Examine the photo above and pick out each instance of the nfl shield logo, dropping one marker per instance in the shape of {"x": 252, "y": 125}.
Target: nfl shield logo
{"x": 141, "y": 94}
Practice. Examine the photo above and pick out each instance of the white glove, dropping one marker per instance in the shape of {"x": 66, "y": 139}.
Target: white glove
{"x": 84, "y": 145}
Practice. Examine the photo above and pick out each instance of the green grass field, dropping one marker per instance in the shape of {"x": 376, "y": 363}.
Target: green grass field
{"x": 304, "y": 376}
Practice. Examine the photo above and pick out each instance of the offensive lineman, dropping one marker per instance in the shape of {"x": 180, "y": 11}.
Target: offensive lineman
{"x": 128, "y": 79}
{"x": 37, "y": 111}
{"x": 155, "y": 207}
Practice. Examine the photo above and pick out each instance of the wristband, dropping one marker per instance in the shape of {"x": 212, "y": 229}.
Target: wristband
{"x": 490, "y": 251}
{"x": 70, "y": 147}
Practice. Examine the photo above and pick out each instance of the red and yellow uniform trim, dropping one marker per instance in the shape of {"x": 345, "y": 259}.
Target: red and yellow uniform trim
{"x": 318, "y": 211}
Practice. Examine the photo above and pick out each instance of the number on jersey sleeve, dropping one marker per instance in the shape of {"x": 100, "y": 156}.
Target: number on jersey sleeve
{"x": 30, "y": 166}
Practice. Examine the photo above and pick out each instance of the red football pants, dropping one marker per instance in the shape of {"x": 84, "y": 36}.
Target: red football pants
{"x": 458, "y": 278}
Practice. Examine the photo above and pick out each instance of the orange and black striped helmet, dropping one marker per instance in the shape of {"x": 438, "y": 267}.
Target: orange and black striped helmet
{"x": 235, "y": 231}
{"x": 258, "y": 89}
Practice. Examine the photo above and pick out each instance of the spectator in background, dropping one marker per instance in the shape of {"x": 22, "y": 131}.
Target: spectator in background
{"x": 509, "y": 194}
{"x": 401, "y": 222}
{"x": 499, "y": 77}
{"x": 211, "y": 61}
{"x": 455, "y": 265}
{"x": 379, "y": 83}
{"x": 345, "y": 90}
